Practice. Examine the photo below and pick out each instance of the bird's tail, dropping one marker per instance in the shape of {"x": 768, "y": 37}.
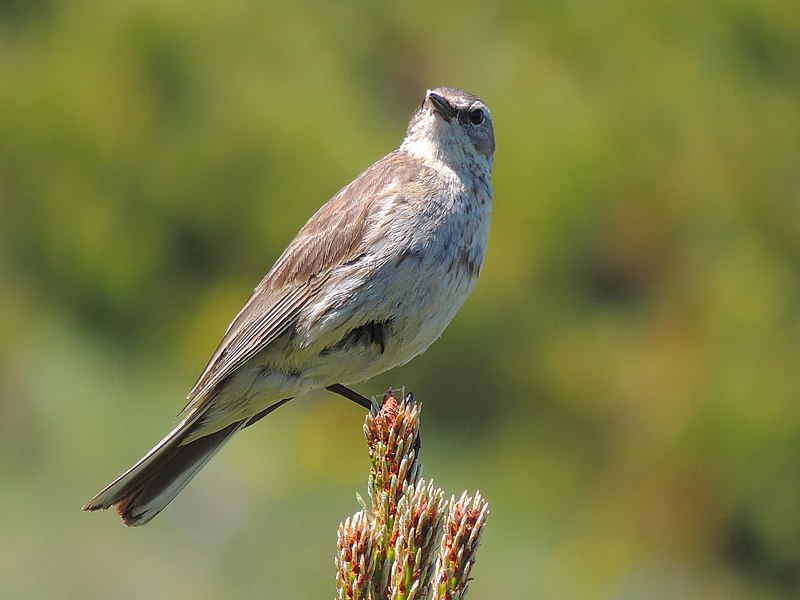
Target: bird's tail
{"x": 147, "y": 487}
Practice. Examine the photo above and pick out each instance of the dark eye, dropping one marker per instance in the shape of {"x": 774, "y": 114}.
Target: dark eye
{"x": 476, "y": 117}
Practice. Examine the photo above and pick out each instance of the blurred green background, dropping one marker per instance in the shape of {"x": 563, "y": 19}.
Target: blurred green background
{"x": 623, "y": 386}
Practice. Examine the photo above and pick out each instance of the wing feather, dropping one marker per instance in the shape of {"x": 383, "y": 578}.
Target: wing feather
{"x": 333, "y": 236}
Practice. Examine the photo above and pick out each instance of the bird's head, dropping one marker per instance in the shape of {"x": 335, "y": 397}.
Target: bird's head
{"x": 453, "y": 126}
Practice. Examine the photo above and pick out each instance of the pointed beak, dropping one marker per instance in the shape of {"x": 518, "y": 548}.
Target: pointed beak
{"x": 441, "y": 106}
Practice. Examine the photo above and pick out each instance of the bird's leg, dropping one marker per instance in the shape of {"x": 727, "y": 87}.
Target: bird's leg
{"x": 346, "y": 392}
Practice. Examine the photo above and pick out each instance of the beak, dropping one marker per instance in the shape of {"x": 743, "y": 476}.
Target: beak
{"x": 441, "y": 106}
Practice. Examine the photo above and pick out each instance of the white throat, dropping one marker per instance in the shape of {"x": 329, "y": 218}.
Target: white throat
{"x": 440, "y": 144}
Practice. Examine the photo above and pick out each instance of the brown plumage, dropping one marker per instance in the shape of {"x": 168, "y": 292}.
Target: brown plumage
{"x": 368, "y": 283}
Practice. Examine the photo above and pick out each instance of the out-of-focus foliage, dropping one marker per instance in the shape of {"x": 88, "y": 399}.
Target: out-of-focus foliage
{"x": 623, "y": 387}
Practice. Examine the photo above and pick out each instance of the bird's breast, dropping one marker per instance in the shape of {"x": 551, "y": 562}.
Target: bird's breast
{"x": 421, "y": 262}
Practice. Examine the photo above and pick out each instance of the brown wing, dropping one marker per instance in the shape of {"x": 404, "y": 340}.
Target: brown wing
{"x": 332, "y": 237}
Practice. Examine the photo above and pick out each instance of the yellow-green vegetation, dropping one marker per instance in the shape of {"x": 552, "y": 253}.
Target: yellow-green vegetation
{"x": 624, "y": 384}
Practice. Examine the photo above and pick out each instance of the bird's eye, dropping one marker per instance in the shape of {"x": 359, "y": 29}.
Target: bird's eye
{"x": 476, "y": 117}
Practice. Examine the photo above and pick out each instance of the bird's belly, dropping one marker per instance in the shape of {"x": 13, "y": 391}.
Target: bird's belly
{"x": 372, "y": 328}
{"x": 407, "y": 313}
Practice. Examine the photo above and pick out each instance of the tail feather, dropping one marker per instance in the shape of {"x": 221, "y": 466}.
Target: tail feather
{"x": 144, "y": 500}
{"x": 152, "y": 483}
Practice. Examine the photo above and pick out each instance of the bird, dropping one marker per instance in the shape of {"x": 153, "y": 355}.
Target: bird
{"x": 368, "y": 283}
